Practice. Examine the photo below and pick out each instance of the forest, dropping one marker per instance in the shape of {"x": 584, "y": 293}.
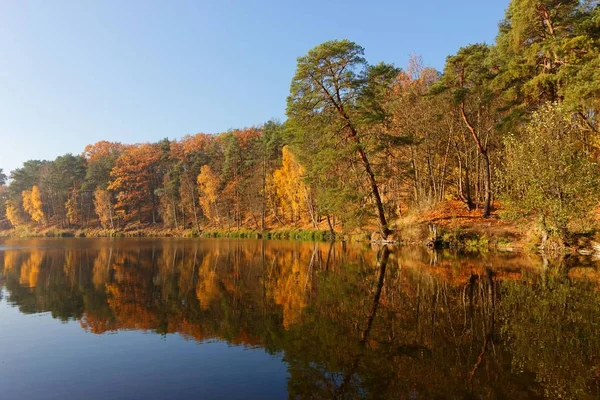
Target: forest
{"x": 509, "y": 130}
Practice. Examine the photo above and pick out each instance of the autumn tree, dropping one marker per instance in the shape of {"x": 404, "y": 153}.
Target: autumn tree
{"x": 100, "y": 159}
{"x": 292, "y": 192}
{"x": 208, "y": 189}
{"x": 135, "y": 178}
{"x": 104, "y": 208}
{"x": 467, "y": 76}
{"x": 193, "y": 152}
{"x": 14, "y": 214}
{"x": 419, "y": 173}
{"x": 548, "y": 174}
{"x": 32, "y": 203}
{"x": 362, "y": 143}
{"x": 22, "y": 179}
{"x": 74, "y": 207}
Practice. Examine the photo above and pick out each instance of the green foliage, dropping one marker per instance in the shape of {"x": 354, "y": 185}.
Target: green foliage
{"x": 25, "y": 178}
{"x": 317, "y": 128}
{"x": 65, "y": 173}
{"x": 542, "y": 46}
{"x": 99, "y": 165}
{"x": 547, "y": 172}
{"x": 337, "y": 117}
{"x": 468, "y": 71}
{"x": 280, "y": 234}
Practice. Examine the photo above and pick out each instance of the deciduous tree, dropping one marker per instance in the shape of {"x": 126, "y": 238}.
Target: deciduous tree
{"x": 547, "y": 172}
{"x": 208, "y": 189}
{"x": 32, "y": 203}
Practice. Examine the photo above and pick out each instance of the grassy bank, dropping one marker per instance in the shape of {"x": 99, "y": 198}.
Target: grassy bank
{"x": 447, "y": 225}
{"x": 458, "y": 237}
{"x": 158, "y": 231}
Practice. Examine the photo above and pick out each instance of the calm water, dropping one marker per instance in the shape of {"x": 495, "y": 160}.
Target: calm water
{"x": 217, "y": 319}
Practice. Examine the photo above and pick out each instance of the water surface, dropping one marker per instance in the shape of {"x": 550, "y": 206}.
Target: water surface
{"x": 222, "y": 319}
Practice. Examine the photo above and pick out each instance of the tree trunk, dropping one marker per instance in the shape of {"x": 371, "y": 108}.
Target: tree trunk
{"x": 174, "y": 211}
{"x": 330, "y": 227}
{"x": 385, "y": 230}
{"x": 193, "y": 197}
{"x": 110, "y": 214}
{"x": 487, "y": 185}
{"x": 486, "y": 159}
{"x": 263, "y": 212}
{"x": 153, "y": 210}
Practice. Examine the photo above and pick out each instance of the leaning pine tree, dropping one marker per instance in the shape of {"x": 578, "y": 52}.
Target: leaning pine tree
{"x": 334, "y": 103}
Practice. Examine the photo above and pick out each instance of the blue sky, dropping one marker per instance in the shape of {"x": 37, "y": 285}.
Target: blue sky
{"x": 76, "y": 72}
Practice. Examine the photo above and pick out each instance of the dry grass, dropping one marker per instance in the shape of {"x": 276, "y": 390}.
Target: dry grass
{"x": 455, "y": 217}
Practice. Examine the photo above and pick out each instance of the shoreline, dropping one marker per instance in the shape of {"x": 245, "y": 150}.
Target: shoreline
{"x": 462, "y": 238}
{"x": 462, "y": 232}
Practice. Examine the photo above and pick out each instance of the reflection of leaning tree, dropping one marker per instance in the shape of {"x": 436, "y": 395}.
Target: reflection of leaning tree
{"x": 487, "y": 292}
{"x": 383, "y": 257}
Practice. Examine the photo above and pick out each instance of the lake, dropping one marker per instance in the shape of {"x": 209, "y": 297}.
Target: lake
{"x": 250, "y": 319}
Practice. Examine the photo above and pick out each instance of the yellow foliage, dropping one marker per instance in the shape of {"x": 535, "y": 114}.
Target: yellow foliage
{"x": 286, "y": 182}
{"x": 71, "y": 265}
{"x": 14, "y": 215}
{"x": 73, "y": 211}
{"x": 32, "y": 203}
{"x": 11, "y": 259}
{"x": 30, "y": 269}
{"x": 289, "y": 288}
{"x": 101, "y": 267}
{"x": 208, "y": 188}
{"x": 208, "y": 289}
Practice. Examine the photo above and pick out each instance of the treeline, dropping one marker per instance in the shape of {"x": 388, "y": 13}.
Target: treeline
{"x": 217, "y": 180}
{"x": 515, "y": 121}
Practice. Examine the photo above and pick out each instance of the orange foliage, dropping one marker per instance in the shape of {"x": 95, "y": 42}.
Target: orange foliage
{"x": 134, "y": 175}
{"x": 104, "y": 208}
{"x": 198, "y": 142}
{"x": 102, "y": 149}
{"x": 246, "y": 135}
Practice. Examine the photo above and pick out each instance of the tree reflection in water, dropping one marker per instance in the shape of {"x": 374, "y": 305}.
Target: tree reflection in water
{"x": 352, "y": 322}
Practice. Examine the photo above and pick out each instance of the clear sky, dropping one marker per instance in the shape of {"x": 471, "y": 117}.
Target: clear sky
{"x": 79, "y": 71}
